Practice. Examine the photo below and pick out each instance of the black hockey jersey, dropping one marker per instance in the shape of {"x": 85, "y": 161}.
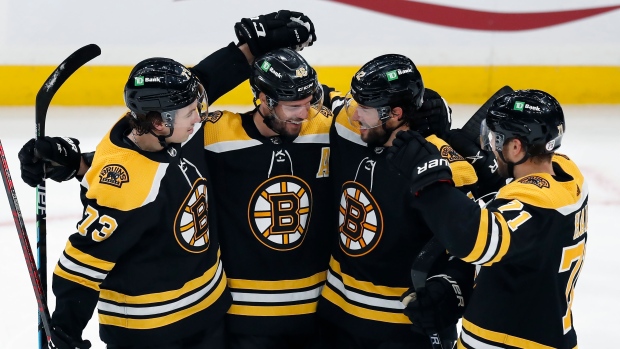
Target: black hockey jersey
{"x": 146, "y": 252}
{"x": 379, "y": 236}
{"x": 530, "y": 245}
{"x": 274, "y": 203}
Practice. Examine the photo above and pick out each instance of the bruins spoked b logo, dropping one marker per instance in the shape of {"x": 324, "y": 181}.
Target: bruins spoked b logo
{"x": 360, "y": 220}
{"x": 279, "y": 212}
{"x": 191, "y": 226}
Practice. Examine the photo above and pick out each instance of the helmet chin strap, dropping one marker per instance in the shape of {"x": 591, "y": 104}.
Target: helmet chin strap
{"x": 162, "y": 138}
{"x": 168, "y": 119}
{"x": 511, "y": 165}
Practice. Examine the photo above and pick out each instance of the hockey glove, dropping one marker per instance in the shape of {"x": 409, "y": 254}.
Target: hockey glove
{"x": 60, "y": 340}
{"x": 433, "y": 117}
{"x": 55, "y": 157}
{"x": 436, "y": 307}
{"x": 413, "y": 157}
{"x": 276, "y": 30}
{"x": 483, "y": 162}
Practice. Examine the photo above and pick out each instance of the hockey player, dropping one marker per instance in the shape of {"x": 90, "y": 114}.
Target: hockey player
{"x": 377, "y": 236}
{"x": 274, "y": 197}
{"x": 529, "y": 242}
{"x": 157, "y": 283}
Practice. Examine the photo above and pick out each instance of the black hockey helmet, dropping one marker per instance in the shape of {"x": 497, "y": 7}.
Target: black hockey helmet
{"x": 163, "y": 85}
{"x": 533, "y": 116}
{"x": 388, "y": 80}
{"x": 284, "y": 75}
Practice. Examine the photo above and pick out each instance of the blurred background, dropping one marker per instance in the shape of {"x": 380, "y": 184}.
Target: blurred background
{"x": 465, "y": 51}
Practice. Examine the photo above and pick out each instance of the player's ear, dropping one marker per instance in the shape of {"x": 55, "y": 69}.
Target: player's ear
{"x": 397, "y": 113}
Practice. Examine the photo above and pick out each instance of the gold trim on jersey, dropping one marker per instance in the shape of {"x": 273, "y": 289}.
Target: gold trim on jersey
{"x": 87, "y": 259}
{"x": 278, "y": 284}
{"x": 498, "y": 338}
{"x": 138, "y": 189}
{"x": 273, "y": 310}
{"x": 492, "y": 241}
{"x": 366, "y": 286}
{"x": 182, "y": 307}
{"x": 265, "y": 298}
{"x": 89, "y": 267}
{"x": 560, "y": 196}
{"x": 317, "y": 128}
{"x": 165, "y": 296}
{"x": 353, "y": 295}
{"x": 463, "y": 172}
{"x": 227, "y": 135}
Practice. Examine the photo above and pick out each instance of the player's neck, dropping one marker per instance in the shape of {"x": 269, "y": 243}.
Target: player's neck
{"x": 145, "y": 142}
{"x": 403, "y": 127}
{"x": 263, "y": 129}
{"x": 531, "y": 167}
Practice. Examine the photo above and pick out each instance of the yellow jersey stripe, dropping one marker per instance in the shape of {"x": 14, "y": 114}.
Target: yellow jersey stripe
{"x": 271, "y": 310}
{"x": 481, "y": 239}
{"x": 365, "y": 285}
{"x": 87, "y": 259}
{"x": 505, "y": 239}
{"x": 165, "y": 296}
{"x": 77, "y": 279}
{"x": 278, "y": 285}
{"x": 501, "y": 338}
{"x": 144, "y": 324}
{"x": 369, "y": 314}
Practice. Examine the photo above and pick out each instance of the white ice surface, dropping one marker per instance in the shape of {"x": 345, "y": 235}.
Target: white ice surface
{"x": 591, "y": 139}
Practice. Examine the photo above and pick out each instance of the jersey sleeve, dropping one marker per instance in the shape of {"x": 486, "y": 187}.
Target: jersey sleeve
{"x": 113, "y": 221}
{"x": 482, "y": 236}
{"x": 222, "y": 71}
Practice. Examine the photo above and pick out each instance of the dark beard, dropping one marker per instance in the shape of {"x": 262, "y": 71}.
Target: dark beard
{"x": 376, "y": 139}
{"x": 279, "y": 127}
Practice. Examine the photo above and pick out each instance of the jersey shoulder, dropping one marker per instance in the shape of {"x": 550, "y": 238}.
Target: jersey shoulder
{"x": 224, "y": 131}
{"x": 546, "y": 191}
{"x": 121, "y": 178}
{"x": 463, "y": 172}
{"x": 316, "y": 130}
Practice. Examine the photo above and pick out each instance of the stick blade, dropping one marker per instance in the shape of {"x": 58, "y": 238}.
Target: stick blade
{"x": 72, "y": 63}
{"x": 472, "y": 126}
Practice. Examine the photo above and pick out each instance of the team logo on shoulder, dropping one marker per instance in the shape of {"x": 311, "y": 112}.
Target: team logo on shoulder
{"x": 279, "y": 212}
{"x": 326, "y": 112}
{"x": 447, "y": 152}
{"x": 213, "y": 117}
{"x": 536, "y": 180}
{"x": 114, "y": 175}
{"x": 191, "y": 225}
{"x": 360, "y": 220}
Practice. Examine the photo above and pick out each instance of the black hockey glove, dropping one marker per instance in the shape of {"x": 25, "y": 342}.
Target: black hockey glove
{"x": 483, "y": 162}
{"x": 436, "y": 307}
{"x": 56, "y": 158}
{"x": 433, "y": 117}
{"x": 60, "y": 340}
{"x": 276, "y": 30}
{"x": 413, "y": 157}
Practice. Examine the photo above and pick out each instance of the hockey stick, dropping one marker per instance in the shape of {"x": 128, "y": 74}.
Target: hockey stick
{"x": 43, "y": 100}
{"x": 419, "y": 272}
{"x": 472, "y": 126}
{"x": 44, "y": 314}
